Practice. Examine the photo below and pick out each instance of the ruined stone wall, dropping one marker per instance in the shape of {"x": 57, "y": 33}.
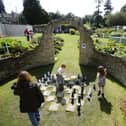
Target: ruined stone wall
{"x": 115, "y": 66}
{"x": 42, "y": 55}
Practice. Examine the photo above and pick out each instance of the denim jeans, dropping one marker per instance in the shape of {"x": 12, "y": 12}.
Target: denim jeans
{"x": 34, "y": 117}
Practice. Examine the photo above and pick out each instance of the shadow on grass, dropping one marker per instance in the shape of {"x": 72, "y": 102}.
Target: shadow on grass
{"x": 8, "y": 80}
{"x": 105, "y": 105}
{"x": 89, "y": 72}
{"x": 38, "y": 72}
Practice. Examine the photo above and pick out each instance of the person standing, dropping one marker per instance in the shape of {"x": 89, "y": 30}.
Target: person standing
{"x": 27, "y": 34}
{"x": 30, "y": 96}
{"x": 101, "y": 79}
{"x": 60, "y": 83}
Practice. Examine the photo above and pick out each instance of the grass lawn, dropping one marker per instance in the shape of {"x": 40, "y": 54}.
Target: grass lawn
{"x": 94, "y": 113}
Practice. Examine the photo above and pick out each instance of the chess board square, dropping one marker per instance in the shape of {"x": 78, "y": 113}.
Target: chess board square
{"x": 73, "y": 77}
{"x": 50, "y": 98}
{"x": 67, "y": 100}
{"x": 68, "y": 91}
{"x": 70, "y": 108}
{"x": 76, "y": 87}
{"x": 54, "y": 107}
{"x": 46, "y": 93}
{"x": 43, "y": 88}
{"x": 66, "y": 78}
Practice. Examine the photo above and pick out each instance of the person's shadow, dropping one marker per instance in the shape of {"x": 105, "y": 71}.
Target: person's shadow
{"x": 105, "y": 105}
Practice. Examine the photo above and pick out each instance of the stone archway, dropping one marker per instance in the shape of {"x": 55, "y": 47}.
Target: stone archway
{"x": 86, "y": 44}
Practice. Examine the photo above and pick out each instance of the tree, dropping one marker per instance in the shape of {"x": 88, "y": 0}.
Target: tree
{"x": 108, "y": 7}
{"x": 2, "y": 8}
{"x": 99, "y": 2}
{"x": 98, "y": 20}
{"x": 114, "y": 19}
{"x": 123, "y": 9}
{"x": 33, "y": 12}
{"x": 56, "y": 15}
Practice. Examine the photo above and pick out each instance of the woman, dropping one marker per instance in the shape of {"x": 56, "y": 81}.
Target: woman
{"x": 101, "y": 80}
{"x": 30, "y": 96}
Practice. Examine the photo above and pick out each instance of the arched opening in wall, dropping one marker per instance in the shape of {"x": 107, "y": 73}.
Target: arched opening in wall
{"x": 71, "y": 46}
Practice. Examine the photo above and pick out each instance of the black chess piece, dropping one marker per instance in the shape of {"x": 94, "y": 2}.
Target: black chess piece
{"x": 82, "y": 92}
{"x": 79, "y": 99}
{"x": 78, "y": 77}
{"x": 79, "y": 109}
{"x": 53, "y": 79}
{"x": 94, "y": 87}
{"x": 74, "y": 91}
{"x": 79, "y": 106}
{"x": 84, "y": 78}
{"x": 72, "y": 98}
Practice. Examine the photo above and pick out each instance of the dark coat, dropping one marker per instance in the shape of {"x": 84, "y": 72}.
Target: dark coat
{"x": 30, "y": 97}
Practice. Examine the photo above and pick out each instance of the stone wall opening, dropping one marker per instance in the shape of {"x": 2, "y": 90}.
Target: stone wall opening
{"x": 86, "y": 47}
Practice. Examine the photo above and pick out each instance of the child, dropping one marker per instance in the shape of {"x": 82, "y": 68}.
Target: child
{"x": 101, "y": 80}
{"x": 60, "y": 82}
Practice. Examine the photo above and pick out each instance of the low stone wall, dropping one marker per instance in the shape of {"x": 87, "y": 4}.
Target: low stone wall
{"x": 42, "y": 55}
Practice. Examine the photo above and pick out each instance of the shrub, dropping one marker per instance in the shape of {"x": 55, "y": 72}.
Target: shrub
{"x": 116, "y": 34}
{"x": 106, "y": 32}
{"x": 58, "y": 43}
{"x": 124, "y": 34}
{"x": 72, "y": 31}
{"x": 15, "y": 47}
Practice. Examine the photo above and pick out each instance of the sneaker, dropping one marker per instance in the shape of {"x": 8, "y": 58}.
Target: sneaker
{"x": 38, "y": 119}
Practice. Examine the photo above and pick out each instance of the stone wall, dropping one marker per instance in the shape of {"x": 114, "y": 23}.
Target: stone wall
{"x": 13, "y": 30}
{"x": 42, "y": 55}
{"x": 115, "y": 66}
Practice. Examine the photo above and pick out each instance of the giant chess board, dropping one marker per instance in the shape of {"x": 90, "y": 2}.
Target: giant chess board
{"x": 76, "y": 92}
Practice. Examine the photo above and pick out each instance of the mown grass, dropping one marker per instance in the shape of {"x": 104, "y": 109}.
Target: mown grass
{"x": 98, "y": 112}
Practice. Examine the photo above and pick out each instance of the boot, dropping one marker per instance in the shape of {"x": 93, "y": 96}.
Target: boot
{"x": 103, "y": 95}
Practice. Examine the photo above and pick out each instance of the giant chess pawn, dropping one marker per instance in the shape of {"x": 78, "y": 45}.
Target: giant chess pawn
{"x": 84, "y": 79}
{"x": 79, "y": 106}
{"x": 48, "y": 74}
{"x": 45, "y": 77}
{"x": 94, "y": 87}
{"x": 82, "y": 92}
{"x": 42, "y": 80}
{"x": 72, "y": 98}
{"x": 79, "y": 99}
{"x": 74, "y": 91}
{"x": 39, "y": 82}
{"x": 53, "y": 79}
{"x": 48, "y": 80}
